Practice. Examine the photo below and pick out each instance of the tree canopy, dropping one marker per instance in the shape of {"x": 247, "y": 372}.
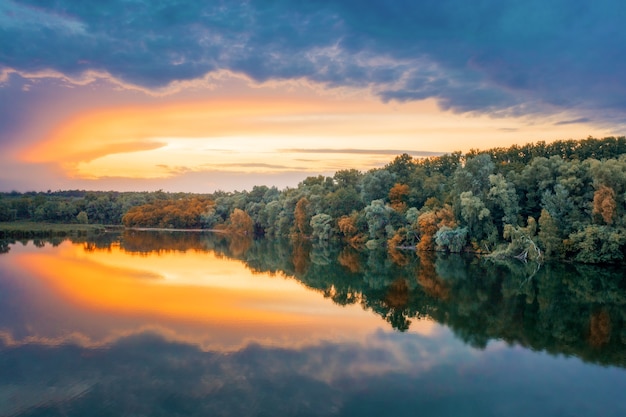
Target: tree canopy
{"x": 574, "y": 191}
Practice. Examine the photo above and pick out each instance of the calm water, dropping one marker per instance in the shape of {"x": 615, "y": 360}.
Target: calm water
{"x": 161, "y": 324}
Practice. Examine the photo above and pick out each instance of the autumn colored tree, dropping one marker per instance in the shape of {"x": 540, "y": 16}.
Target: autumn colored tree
{"x": 604, "y": 203}
{"x": 350, "y": 231}
{"x": 302, "y": 217}
{"x": 430, "y": 222}
{"x": 169, "y": 213}
{"x": 240, "y": 223}
{"x": 397, "y": 197}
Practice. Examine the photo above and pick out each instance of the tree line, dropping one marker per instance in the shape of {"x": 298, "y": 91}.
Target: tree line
{"x": 564, "y": 200}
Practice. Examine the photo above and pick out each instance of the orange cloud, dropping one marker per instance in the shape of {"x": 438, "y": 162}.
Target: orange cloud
{"x": 93, "y": 135}
{"x": 263, "y": 129}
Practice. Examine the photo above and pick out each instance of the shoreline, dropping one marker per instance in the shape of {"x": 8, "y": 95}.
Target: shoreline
{"x": 43, "y": 229}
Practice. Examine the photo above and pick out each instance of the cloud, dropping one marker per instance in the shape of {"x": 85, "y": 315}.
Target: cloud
{"x": 251, "y": 165}
{"x": 361, "y": 151}
{"x": 494, "y": 57}
{"x": 572, "y": 122}
{"x": 28, "y": 177}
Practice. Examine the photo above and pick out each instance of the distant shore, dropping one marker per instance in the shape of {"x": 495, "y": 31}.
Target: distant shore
{"x": 165, "y": 229}
{"x": 24, "y": 229}
{"x": 19, "y": 230}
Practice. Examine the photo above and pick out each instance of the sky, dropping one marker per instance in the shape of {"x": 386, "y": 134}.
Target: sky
{"x": 136, "y": 95}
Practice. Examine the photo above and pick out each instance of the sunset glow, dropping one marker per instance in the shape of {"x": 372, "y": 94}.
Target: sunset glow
{"x": 213, "y": 102}
{"x": 195, "y": 296}
{"x": 269, "y": 135}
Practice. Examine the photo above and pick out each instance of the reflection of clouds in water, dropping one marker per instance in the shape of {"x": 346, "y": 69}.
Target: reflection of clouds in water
{"x": 329, "y": 359}
{"x": 305, "y": 379}
{"x": 387, "y": 374}
{"x": 380, "y": 353}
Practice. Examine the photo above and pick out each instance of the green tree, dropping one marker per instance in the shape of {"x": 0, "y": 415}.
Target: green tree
{"x": 504, "y": 197}
{"x": 474, "y": 213}
{"x": 82, "y": 218}
{"x": 378, "y": 216}
{"x": 474, "y": 176}
{"x": 348, "y": 178}
{"x": 549, "y": 237}
{"x": 558, "y": 203}
{"x": 376, "y": 185}
{"x": 451, "y": 240}
{"x": 322, "y": 227}
{"x": 598, "y": 244}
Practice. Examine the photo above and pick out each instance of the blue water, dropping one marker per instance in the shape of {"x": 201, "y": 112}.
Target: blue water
{"x": 61, "y": 358}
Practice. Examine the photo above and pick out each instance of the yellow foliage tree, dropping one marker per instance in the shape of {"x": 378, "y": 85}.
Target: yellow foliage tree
{"x": 347, "y": 226}
{"x": 430, "y": 222}
{"x": 397, "y": 197}
{"x": 302, "y": 217}
{"x": 604, "y": 203}
{"x": 240, "y": 223}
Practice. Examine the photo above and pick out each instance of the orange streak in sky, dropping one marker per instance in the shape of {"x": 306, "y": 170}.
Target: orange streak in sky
{"x": 103, "y": 132}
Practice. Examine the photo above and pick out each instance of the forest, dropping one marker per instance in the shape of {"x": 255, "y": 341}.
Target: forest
{"x": 560, "y": 200}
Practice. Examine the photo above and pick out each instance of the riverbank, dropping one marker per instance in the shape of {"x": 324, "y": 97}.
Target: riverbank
{"x": 165, "y": 229}
{"x": 18, "y": 230}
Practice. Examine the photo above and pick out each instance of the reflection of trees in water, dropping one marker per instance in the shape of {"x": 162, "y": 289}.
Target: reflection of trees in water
{"x": 563, "y": 309}
{"x": 549, "y": 312}
{"x": 163, "y": 242}
{"x": 300, "y": 257}
{"x": 349, "y": 258}
{"x": 427, "y": 277}
{"x": 238, "y": 245}
{"x": 599, "y": 328}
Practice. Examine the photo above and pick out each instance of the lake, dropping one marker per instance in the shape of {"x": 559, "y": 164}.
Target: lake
{"x": 196, "y": 324}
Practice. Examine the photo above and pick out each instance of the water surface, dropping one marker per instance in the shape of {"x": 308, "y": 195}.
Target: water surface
{"x": 194, "y": 324}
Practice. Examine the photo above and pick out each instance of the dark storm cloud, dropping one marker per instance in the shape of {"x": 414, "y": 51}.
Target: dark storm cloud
{"x": 490, "y": 56}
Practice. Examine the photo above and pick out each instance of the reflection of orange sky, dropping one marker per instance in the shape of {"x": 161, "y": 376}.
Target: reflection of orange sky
{"x": 217, "y": 297}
